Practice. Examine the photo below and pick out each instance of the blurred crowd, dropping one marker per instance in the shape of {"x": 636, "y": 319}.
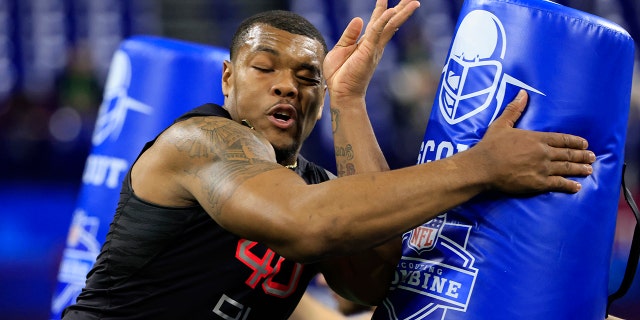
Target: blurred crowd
{"x": 55, "y": 55}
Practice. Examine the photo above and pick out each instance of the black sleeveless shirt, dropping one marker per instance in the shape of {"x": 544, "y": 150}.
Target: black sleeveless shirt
{"x": 177, "y": 263}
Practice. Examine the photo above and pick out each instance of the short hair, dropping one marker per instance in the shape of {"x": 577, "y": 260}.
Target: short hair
{"x": 279, "y": 19}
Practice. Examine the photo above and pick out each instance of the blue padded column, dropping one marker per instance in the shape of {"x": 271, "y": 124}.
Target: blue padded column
{"x": 151, "y": 82}
{"x": 537, "y": 257}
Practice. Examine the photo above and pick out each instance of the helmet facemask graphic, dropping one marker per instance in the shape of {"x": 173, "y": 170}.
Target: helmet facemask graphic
{"x": 473, "y": 70}
{"x": 460, "y": 99}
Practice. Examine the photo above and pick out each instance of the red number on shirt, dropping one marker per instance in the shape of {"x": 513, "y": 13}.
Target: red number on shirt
{"x": 262, "y": 270}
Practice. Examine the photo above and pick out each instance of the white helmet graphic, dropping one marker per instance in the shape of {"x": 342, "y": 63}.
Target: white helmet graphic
{"x": 471, "y": 76}
{"x": 116, "y": 101}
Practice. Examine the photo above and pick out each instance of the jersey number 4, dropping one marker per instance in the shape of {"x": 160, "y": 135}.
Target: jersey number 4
{"x": 264, "y": 272}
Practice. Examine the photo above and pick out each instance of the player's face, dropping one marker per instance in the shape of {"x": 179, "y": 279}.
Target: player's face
{"x": 275, "y": 82}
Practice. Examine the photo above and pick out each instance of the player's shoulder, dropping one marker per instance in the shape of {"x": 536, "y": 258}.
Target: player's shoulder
{"x": 213, "y": 135}
{"x": 209, "y": 129}
{"x": 205, "y": 122}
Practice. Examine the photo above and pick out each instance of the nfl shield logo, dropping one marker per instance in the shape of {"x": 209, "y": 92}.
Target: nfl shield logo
{"x": 424, "y": 237}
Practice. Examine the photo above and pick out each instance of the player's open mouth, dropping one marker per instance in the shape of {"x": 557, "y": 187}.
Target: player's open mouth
{"x": 283, "y": 116}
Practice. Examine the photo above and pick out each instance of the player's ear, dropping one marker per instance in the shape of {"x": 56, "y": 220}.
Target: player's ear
{"x": 227, "y": 75}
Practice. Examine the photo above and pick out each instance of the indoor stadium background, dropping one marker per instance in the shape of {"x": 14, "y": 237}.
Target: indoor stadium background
{"x": 54, "y": 57}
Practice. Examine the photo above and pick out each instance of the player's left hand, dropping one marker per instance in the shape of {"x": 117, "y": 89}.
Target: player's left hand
{"x": 349, "y": 66}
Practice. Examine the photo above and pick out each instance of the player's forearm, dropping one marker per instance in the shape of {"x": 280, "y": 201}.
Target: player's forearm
{"x": 371, "y": 208}
{"x": 363, "y": 276}
{"x": 353, "y": 213}
{"x": 356, "y": 147}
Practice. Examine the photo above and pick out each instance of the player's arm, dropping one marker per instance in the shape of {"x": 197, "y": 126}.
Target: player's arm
{"x": 231, "y": 172}
{"x": 251, "y": 196}
{"x": 364, "y": 276}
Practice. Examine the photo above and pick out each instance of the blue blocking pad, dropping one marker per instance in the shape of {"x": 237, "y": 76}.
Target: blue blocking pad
{"x": 151, "y": 82}
{"x": 538, "y": 257}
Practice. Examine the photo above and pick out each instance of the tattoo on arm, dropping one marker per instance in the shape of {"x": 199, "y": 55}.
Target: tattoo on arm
{"x": 335, "y": 119}
{"x": 344, "y": 155}
{"x": 230, "y": 154}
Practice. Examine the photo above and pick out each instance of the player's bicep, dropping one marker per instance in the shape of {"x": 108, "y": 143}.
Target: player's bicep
{"x": 223, "y": 154}
{"x": 243, "y": 188}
